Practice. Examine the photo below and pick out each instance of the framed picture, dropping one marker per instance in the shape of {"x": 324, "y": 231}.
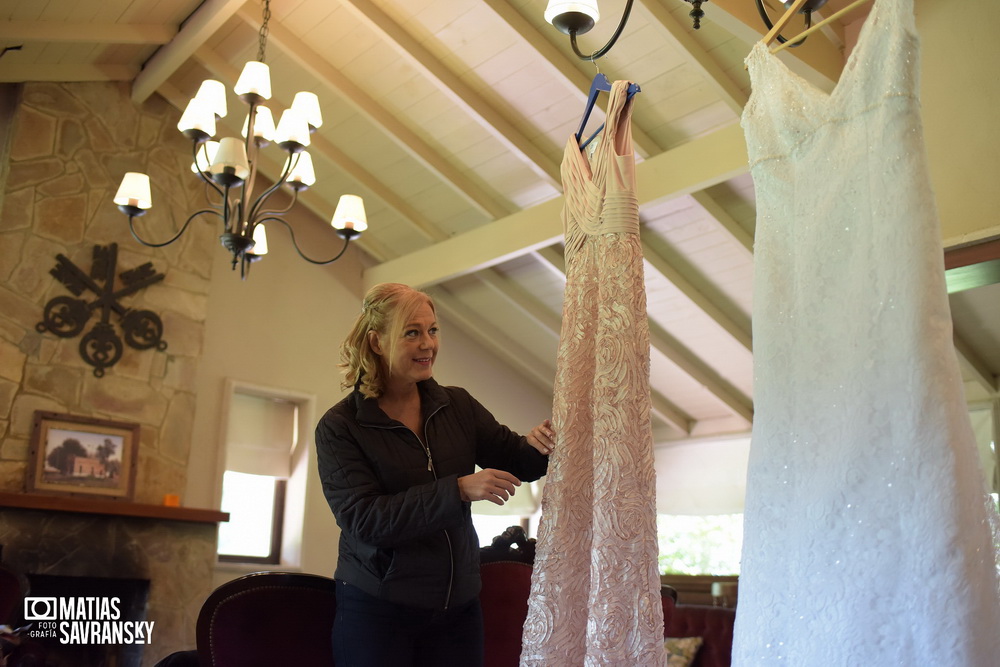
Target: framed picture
{"x": 81, "y": 456}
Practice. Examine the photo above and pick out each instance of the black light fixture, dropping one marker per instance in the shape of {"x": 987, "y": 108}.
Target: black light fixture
{"x": 578, "y": 18}
{"x": 806, "y": 10}
{"x": 696, "y": 13}
{"x": 229, "y": 166}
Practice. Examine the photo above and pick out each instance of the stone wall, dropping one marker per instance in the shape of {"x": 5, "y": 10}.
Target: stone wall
{"x": 68, "y": 147}
{"x": 175, "y": 556}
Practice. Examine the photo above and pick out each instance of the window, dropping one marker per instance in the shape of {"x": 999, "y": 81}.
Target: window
{"x": 261, "y": 434}
{"x": 700, "y": 544}
{"x": 255, "y": 504}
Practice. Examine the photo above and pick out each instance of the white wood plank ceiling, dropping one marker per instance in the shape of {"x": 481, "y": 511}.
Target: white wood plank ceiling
{"x": 450, "y": 116}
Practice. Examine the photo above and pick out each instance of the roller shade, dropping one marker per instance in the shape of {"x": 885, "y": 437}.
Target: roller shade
{"x": 702, "y": 477}
{"x": 260, "y": 435}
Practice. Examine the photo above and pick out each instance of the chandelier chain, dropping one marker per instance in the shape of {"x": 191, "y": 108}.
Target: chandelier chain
{"x": 262, "y": 36}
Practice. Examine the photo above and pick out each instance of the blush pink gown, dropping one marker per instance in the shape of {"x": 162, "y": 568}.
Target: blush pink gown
{"x": 595, "y": 595}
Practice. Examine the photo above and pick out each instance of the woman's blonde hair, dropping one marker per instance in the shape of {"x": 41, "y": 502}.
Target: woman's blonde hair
{"x": 386, "y": 310}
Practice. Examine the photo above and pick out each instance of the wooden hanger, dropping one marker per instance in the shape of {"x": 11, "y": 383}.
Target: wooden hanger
{"x": 779, "y": 25}
{"x": 597, "y": 86}
{"x": 816, "y": 26}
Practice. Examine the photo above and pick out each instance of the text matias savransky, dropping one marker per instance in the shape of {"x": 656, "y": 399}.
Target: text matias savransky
{"x": 85, "y": 620}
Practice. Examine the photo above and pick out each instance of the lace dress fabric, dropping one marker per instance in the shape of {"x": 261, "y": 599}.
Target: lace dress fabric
{"x": 595, "y": 594}
{"x": 867, "y": 535}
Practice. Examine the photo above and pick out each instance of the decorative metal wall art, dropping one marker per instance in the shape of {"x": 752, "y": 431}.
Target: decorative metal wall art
{"x": 66, "y": 316}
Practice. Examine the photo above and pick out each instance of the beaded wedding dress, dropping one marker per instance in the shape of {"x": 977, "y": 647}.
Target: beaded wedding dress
{"x": 595, "y": 594}
{"x": 867, "y": 531}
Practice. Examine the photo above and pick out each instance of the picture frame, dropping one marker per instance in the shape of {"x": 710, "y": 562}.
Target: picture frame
{"x": 80, "y": 456}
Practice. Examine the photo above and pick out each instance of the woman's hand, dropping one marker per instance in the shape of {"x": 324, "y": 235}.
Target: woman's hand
{"x": 496, "y": 486}
{"x": 542, "y": 437}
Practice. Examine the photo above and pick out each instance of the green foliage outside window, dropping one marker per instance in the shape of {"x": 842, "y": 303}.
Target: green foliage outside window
{"x": 700, "y": 544}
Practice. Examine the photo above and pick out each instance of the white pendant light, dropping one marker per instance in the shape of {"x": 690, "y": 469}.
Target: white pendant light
{"x": 350, "y": 214}
{"x": 292, "y": 131}
{"x": 255, "y": 80}
{"x": 263, "y": 126}
{"x": 581, "y": 15}
{"x": 307, "y": 104}
{"x": 204, "y": 157}
{"x": 230, "y": 166}
{"x": 134, "y": 191}
{"x": 213, "y": 93}
{"x": 302, "y": 175}
{"x": 198, "y": 121}
{"x": 259, "y": 240}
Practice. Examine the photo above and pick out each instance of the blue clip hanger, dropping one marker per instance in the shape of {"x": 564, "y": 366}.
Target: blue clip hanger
{"x": 597, "y": 86}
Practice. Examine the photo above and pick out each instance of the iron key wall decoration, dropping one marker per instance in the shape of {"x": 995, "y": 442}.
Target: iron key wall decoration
{"x": 67, "y": 316}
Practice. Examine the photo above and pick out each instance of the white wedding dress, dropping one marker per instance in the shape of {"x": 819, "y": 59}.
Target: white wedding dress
{"x": 867, "y": 535}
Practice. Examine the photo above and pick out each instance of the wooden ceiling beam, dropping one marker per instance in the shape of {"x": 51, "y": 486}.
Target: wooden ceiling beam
{"x": 738, "y": 330}
{"x": 90, "y": 33}
{"x": 197, "y": 29}
{"x": 525, "y": 302}
{"x": 66, "y": 73}
{"x": 690, "y": 167}
{"x": 552, "y": 259}
{"x": 563, "y": 67}
{"x": 695, "y": 55}
{"x": 489, "y": 203}
{"x": 726, "y": 221}
{"x": 697, "y": 370}
{"x": 669, "y": 413}
{"x": 506, "y": 349}
{"x": 456, "y": 90}
{"x": 975, "y": 366}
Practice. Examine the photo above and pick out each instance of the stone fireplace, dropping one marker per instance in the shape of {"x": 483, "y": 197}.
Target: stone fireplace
{"x": 171, "y": 547}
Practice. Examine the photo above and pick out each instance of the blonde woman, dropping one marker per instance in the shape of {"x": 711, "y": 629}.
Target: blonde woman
{"x": 397, "y": 461}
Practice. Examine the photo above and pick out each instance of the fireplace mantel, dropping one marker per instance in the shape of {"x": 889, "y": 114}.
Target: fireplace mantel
{"x": 33, "y": 501}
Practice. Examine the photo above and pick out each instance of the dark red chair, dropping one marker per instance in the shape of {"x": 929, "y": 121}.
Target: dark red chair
{"x": 504, "y": 598}
{"x": 13, "y": 587}
{"x": 713, "y": 624}
{"x": 268, "y": 618}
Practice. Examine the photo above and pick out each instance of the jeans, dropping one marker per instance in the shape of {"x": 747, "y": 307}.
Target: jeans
{"x": 368, "y": 632}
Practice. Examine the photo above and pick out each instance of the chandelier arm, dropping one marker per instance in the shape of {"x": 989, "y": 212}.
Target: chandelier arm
{"x": 611, "y": 42}
{"x": 295, "y": 244}
{"x": 259, "y": 201}
{"x": 135, "y": 235}
{"x": 272, "y": 212}
{"x": 767, "y": 21}
{"x": 232, "y": 212}
{"x": 204, "y": 175}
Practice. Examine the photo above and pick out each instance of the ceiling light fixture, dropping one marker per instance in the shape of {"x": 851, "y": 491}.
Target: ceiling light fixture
{"x": 229, "y": 166}
{"x": 577, "y": 18}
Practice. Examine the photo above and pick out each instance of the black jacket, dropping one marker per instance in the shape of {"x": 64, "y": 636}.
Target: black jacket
{"x": 406, "y": 536}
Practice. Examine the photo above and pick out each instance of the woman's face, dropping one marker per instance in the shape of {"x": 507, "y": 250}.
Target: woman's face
{"x": 416, "y": 350}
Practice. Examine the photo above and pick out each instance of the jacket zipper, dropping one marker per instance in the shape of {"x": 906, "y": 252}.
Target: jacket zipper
{"x": 451, "y": 550}
{"x": 430, "y": 468}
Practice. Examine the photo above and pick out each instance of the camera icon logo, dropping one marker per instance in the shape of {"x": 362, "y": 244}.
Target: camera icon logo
{"x": 40, "y": 609}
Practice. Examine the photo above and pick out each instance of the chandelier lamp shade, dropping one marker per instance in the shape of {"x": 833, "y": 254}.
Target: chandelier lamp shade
{"x": 578, "y": 18}
{"x": 228, "y": 166}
